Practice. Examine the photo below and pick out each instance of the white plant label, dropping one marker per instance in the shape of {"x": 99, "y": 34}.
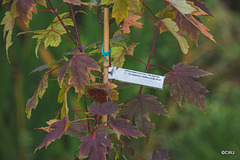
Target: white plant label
{"x": 131, "y": 76}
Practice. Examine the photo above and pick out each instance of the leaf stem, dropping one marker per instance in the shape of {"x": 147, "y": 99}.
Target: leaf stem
{"x": 150, "y": 56}
{"x": 75, "y": 26}
{"x": 139, "y": 156}
{"x": 160, "y": 67}
{"x": 63, "y": 36}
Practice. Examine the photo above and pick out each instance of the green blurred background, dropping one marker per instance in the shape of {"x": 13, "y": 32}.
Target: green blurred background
{"x": 187, "y": 135}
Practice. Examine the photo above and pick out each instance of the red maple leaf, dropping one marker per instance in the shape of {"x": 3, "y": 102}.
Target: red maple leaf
{"x": 139, "y": 109}
{"x": 56, "y": 131}
{"x": 124, "y": 127}
{"x": 182, "y": 84}
{"x": 95, "y": 146}
{"x": 77, "y": 65}
{"x": 106, "y": 108}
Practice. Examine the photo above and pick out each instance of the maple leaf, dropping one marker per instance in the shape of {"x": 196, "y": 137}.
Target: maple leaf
{"x": 42, "y": 2}
{"x": 118, "y": 54}
{"x": 131, "y": 21}
{"x": 95, "y": 146}
{"x": 173, "y": 28}
{"x": 124, "y": 127}
{"x": 56, "y": 131}
{"x": 8, "y": 22}
{"x": 77, "y": 65}
{"x": 182, "y": 84}
{"x": 161, "y": 154}
{"x": 166, "y": 13}
{"x": 133, "y": 108}
{"x": 33, "y": 101}
{"x": 106, "y": 108}
{"x": 80, "y": 2}
{"x": 182, "y": 19}
{"x": 51, "y": 36}
{"x": 144, "y": 125}
{"x": 122, "y": 7}
{"x": 182, "y": 6}
{"x": 101, "y": 91}
{"x": 26, "y": 8}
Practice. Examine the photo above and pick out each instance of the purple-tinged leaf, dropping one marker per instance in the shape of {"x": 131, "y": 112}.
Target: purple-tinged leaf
{"x": 40, "y": 68}
{"x": 182, "y": 84}
{"x": 142, "y": 106}
{"x": 26, "y": 8}
{"x": 56, "y": 131}
{"x": 124, "y": 127}
{"x": 144, "y": 125}
{"x": 95, "y": 146}
{"x": 33, "y": 101}
{"x": 77, "y": 65}
{"x": 161, "y": 154}
{"x": 75, "y": 130}
{"x": 139, "y": 109}
{"x": 106, "y": 108}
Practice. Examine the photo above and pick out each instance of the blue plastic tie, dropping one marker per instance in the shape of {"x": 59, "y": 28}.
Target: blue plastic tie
{"x": 105, "y": 54}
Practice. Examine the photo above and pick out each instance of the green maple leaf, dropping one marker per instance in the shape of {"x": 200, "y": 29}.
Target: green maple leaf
{"x": 182, "y": 6}
{"x": 118, "y": 54}
{"x": 173, "y": 28}
{"x": 51, "y": 36}
{"x": 122, "y": 7}
{"x": 8, "y": 22}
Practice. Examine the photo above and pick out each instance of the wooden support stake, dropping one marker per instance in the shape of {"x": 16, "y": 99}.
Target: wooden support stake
{"x": 106, "y": 49}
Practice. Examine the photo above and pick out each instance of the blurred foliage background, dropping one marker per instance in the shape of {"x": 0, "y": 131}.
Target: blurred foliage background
{"x": 187, "y": 135}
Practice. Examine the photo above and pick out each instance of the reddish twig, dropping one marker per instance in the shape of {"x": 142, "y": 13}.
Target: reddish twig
{"x": 150, "y": 10}
{"x": 150, "y": 56}
{"x": 61, "y": 22}
{"x": 160, "y": 67}
{"x": 75, "y": 27}
{"x": 60, "y": 6}
{"x": 79, "y": 10}
{"x": 85, "y": 103}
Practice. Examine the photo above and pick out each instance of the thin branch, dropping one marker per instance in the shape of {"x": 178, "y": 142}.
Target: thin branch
{"x": 81, "y": 124}
{"x": 139, "y": 156}
{"x": 75, "y": 26}
{"x": 60, "y": 5}
{"x": 46, "y": 11}
{"x": 150, "y": 10}
{"x": 61, "y": 22}
{"x": 150, "y": 17}
{"x": 135, "y": 58}
{"x": 85, "y": 102}
{"x": 150, "y": 56}
{"x": 79, "y": 10}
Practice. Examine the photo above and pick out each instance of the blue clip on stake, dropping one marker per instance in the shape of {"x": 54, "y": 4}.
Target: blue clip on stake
{"x": 105, "y": 53}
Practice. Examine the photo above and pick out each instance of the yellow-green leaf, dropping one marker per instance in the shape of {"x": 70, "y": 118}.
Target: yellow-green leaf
{"x": 120, "y": 10}
{"x": 182, "y": 6}
{"x": 173, "y": 28}
{"x": 8, "y": 22}
{"x": 51, "y": 36}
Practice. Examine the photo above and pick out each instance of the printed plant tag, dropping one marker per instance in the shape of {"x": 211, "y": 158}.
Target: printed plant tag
{"x": 131, "y": 76}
